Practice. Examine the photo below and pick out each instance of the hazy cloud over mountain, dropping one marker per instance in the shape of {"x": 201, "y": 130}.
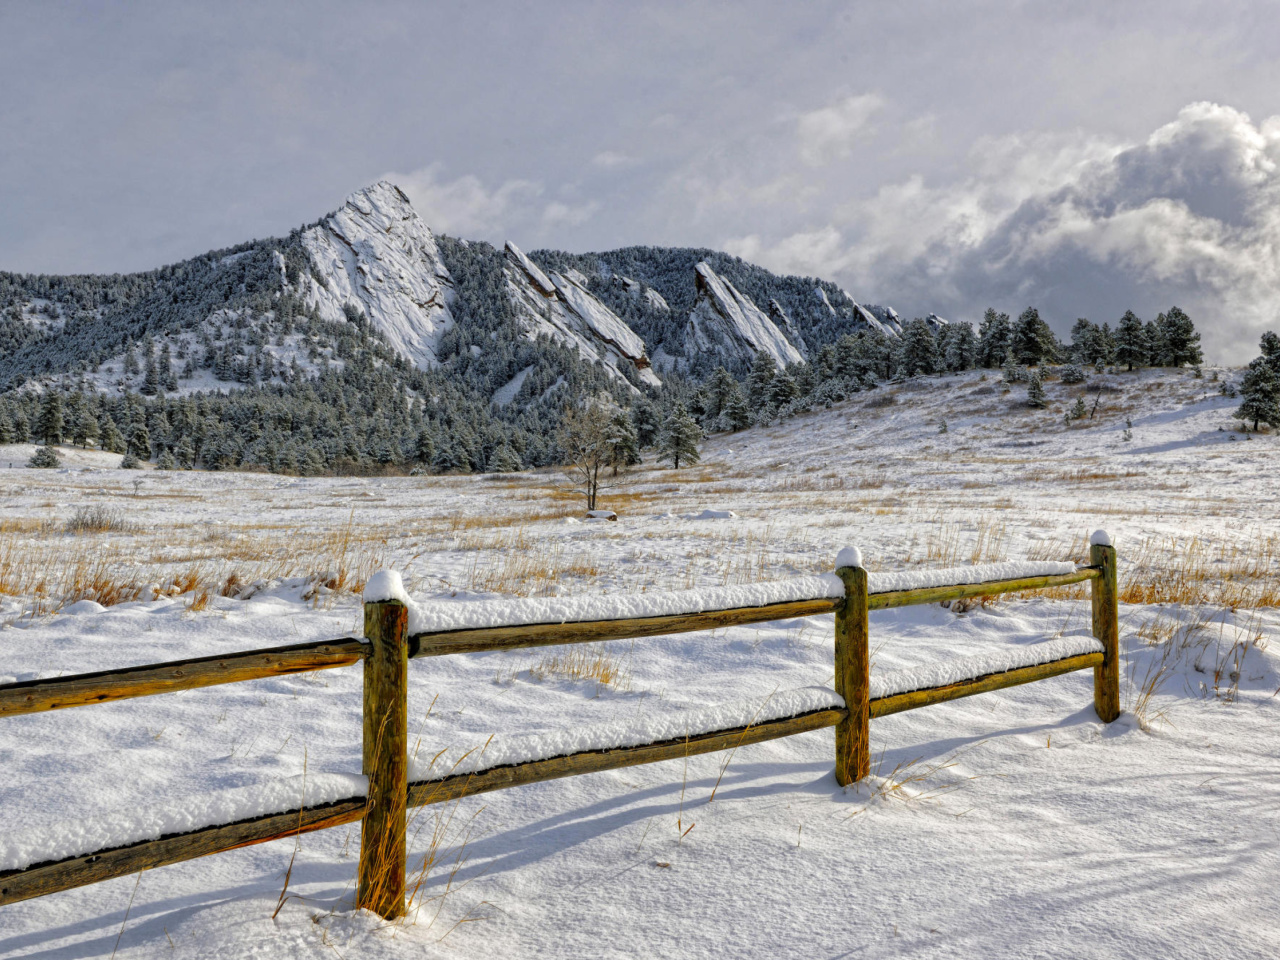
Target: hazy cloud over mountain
{"x": 937, "y": 156}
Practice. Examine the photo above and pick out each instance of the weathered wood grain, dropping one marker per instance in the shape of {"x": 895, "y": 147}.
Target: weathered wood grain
{"x": 499, "y": 778}
{"x": 853, "y": 678}
{"x": 45, "y": 878}
{"x": 381, "y": 883}
{"x": 1106, "y": 627}
{"x": 898, "y": 702}
{"x": 36, "y": 696}
{"x": 907, "y": 598}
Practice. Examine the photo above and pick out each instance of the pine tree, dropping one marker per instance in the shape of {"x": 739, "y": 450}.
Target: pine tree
{"x": 645, "y": 420}
{"x": 49, "y": 425}
{"x": 763, "y": 370}
{"x": 624, "y": 448}
{"x": 1132, "y": 348}
{"x": 1260, "y": 390}
{"x": 166, "y": 461}
{"x": 424, "y": 449}
{"x": 1035, "y": 392}
{"x": 919, "y": 351}
{"x": 1032, "y": 342}
{"x": 1157, "y": 349}
{"x": 1180, "y": 339}
{"x": 185, "y": 452}
{"x": 45, "y": 458}
{"x": 130, "y": 462}
{"x": 736, "y": 415}
{"x": 7, "y": 433}
{"x": 84, "y": 425}
{"x": 1079, "y": 410}
{"x": 505, "y": 460}
{"x": 679, "y": 441}
{"x": 782, "y": 390}
{"x": 112, "y": 439}
{"x": 140, "y": 440}
{"x": 993, "y": 339}
{"x": 961, "y": 351}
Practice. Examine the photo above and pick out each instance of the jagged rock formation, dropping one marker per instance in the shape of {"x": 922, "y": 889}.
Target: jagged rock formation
{"x": 728, "y": 324}
{"x": 560, "y": 306}
{"x": 377, "y": 255}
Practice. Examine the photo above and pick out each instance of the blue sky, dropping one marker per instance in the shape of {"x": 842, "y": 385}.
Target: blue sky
{"x": 1085, "y": 158}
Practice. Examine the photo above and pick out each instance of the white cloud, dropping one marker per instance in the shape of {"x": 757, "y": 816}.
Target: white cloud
{"x": 1078, "y": 226}
{"x": 829, "y": 133}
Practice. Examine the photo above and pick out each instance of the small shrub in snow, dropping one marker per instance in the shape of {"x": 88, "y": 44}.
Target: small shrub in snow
{"x": 1072, "y": 373}
{"x": 45, "y": 458}
{"x": 1079, "y": 410}
{"x": 130, "y": 462}
{"x": 167, "y": 461}
{"x": 97, "y": 518}
{"x": 1014, "y": 372}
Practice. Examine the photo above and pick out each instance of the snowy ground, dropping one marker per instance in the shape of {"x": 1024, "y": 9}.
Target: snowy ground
{"x": 1010, "y": 824}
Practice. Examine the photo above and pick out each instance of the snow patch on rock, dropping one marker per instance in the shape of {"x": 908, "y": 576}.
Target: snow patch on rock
{"x": 727, "y": 323}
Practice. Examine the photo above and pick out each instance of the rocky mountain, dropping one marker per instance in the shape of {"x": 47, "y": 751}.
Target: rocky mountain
{"x": 728, "y": 325}
{"x": 561, "y": 307}
{"x": 376, "y": 254}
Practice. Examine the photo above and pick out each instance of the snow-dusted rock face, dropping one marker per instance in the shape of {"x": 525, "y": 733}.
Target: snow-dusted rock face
{"x": 639, "y": 291}
{"x": 935, "y": 322}
{"x": 727, "y": 323}
{"x": 887, "y": 317}
{"x": 561, "y": 306}
{"x": 377, "y": 253}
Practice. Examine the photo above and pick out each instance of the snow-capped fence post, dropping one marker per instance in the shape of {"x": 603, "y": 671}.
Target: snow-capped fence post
{"x": 1106, "y": 627}
{"x": 853, "y": 671}
{"x": 386, "y": 758}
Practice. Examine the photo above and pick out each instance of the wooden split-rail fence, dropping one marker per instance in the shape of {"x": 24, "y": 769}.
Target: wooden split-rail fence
{"x": 387, "y": 648}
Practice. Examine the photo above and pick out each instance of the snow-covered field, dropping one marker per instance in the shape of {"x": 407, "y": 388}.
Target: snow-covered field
{"x": 1009, "y": 824}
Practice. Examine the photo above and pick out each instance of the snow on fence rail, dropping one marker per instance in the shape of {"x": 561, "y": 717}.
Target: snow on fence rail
{"x": 397, "y": 630}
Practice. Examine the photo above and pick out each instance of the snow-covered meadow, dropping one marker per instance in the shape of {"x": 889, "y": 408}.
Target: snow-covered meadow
{"x": 1007, "y": 824}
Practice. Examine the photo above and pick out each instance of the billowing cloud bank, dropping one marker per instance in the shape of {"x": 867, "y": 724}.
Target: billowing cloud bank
{"x": 1078, "y": 227}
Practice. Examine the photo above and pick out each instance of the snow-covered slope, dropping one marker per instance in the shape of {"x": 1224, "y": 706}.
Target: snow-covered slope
{"x": 560, "y": 306}
{"x": 377, "y": 254}
{"x": 726, "y": 322}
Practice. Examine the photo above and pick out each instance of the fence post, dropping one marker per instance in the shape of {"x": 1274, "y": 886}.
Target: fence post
{"x": 853, "y": 671}
{"x": 1106, "y": 627}
{"x": 386, "y": 759}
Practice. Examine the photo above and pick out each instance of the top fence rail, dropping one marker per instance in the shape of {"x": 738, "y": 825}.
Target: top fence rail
{"x": 37, "y": 696}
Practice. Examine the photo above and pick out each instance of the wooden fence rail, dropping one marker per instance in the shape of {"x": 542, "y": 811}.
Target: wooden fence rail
{"x": 388, "y": 647}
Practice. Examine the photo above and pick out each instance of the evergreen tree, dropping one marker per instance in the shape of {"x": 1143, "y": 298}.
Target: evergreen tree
{"x": 961, "y": 351}
{"x": 1033, "y": 342}
{"x": 1079, "y": 410}
{"x": 166, "y": 461}
{"x": 782, "y": 390}
{"x": 919, "y": 351}
{"x": 994, "y": 337}
{"x": 1086, "y": 342}
{"x": 719, "y": 385}
{"x": 140, "y": 440}
{"x": 645, "y": 420}
{"x": 424, "y": 449}
{"x": 1157, "y": 351}
{"x": 1260, "y": 392}
{"x": 49, "y": 425}
{"x": 112, "y": 439}
{"x": 130, "y": 462}
{"x": 505, "y": 460}
{"x": 45, "y": 458}
{"x": 84, "y": 424}
{"x": 624, "y": 447}
{"x": 1180, "y": 339}
{"x": 7, "y": 433}
{"x": 1035, "y": 392}
{"x": 185, "y": 453}
{"x": 679, "y": 441}
{"x": 736, "y": 415}
{"x": 1131, "y": 341}
{"x": 760, "y": 379}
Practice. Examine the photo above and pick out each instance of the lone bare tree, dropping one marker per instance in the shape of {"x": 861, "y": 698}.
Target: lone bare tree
{"x": 588, "y": 443}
